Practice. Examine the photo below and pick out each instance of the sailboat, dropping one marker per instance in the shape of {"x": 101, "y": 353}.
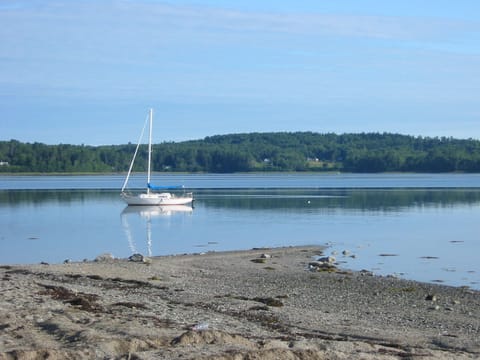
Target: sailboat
{"x": 150, "y": 197}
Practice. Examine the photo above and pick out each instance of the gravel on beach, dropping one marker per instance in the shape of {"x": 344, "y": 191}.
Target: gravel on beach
{"x": 280, "y": 303}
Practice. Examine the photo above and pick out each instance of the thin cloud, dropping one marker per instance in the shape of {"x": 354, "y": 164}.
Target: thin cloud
{"x": 116, "y": 46}
{"x": 135, "y": 15}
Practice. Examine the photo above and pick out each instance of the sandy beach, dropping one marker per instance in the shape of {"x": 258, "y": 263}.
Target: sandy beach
{"x": 260, "y": 304}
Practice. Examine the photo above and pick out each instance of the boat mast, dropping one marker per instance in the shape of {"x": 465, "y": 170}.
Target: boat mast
{"x": 149, "y": 151}
{"x": 134, "y": 156}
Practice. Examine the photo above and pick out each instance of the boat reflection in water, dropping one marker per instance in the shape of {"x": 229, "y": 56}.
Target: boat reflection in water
{"x": 147, "y": 213}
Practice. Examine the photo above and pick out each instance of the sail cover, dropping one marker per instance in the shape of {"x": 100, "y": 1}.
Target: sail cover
{"x": 154, "y": 187}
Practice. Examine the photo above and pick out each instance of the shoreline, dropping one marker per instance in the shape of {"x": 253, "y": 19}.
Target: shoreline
{"x": 260, "y": 304}
{"x": 259, "y": 172}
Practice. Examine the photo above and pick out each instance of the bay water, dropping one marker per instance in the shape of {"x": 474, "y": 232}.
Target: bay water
{"x": 417, "y": 226}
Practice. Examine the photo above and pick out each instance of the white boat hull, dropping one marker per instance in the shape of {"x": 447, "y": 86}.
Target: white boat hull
{"x": 156, "y": 199}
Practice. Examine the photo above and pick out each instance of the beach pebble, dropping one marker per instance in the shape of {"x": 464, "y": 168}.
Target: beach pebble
{"x": 366, "y": 272}
{"x": 327, "y": 259}
{"x": 104, "y": 257}
{"x": 320, "y": 265}
{"x": 137, "y": 258}
{"x": 200, "y": 327}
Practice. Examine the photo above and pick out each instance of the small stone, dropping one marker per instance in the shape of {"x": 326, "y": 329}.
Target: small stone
{"x": 327, "y": 259}
{"x": 200, "y": 327}
{"x": 321, "y": 266}
{"x": 366, "y": 272}
{"x": 137, "y": 258}
{"x": 104, "y": 257}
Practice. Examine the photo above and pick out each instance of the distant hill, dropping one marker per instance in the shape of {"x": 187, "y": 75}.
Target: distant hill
{"x": 276, "y": 151}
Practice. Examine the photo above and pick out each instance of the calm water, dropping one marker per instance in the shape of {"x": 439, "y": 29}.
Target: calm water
{"x": 422, "y": 227}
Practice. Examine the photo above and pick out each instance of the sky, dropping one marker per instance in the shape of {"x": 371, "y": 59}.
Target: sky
{"x": 86, "y": 72}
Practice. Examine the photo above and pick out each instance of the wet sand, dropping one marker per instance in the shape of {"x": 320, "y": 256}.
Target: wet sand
{"x": 231, "y": 305}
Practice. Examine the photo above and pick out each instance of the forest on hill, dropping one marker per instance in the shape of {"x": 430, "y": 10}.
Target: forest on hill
{"x": 276, "y": 151}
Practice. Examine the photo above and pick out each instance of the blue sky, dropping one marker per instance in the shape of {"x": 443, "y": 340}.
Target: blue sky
{"x": 86, "y": 72}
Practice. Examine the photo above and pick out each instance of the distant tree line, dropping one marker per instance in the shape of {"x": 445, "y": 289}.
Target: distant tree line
{"x": 298, "y": 151}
